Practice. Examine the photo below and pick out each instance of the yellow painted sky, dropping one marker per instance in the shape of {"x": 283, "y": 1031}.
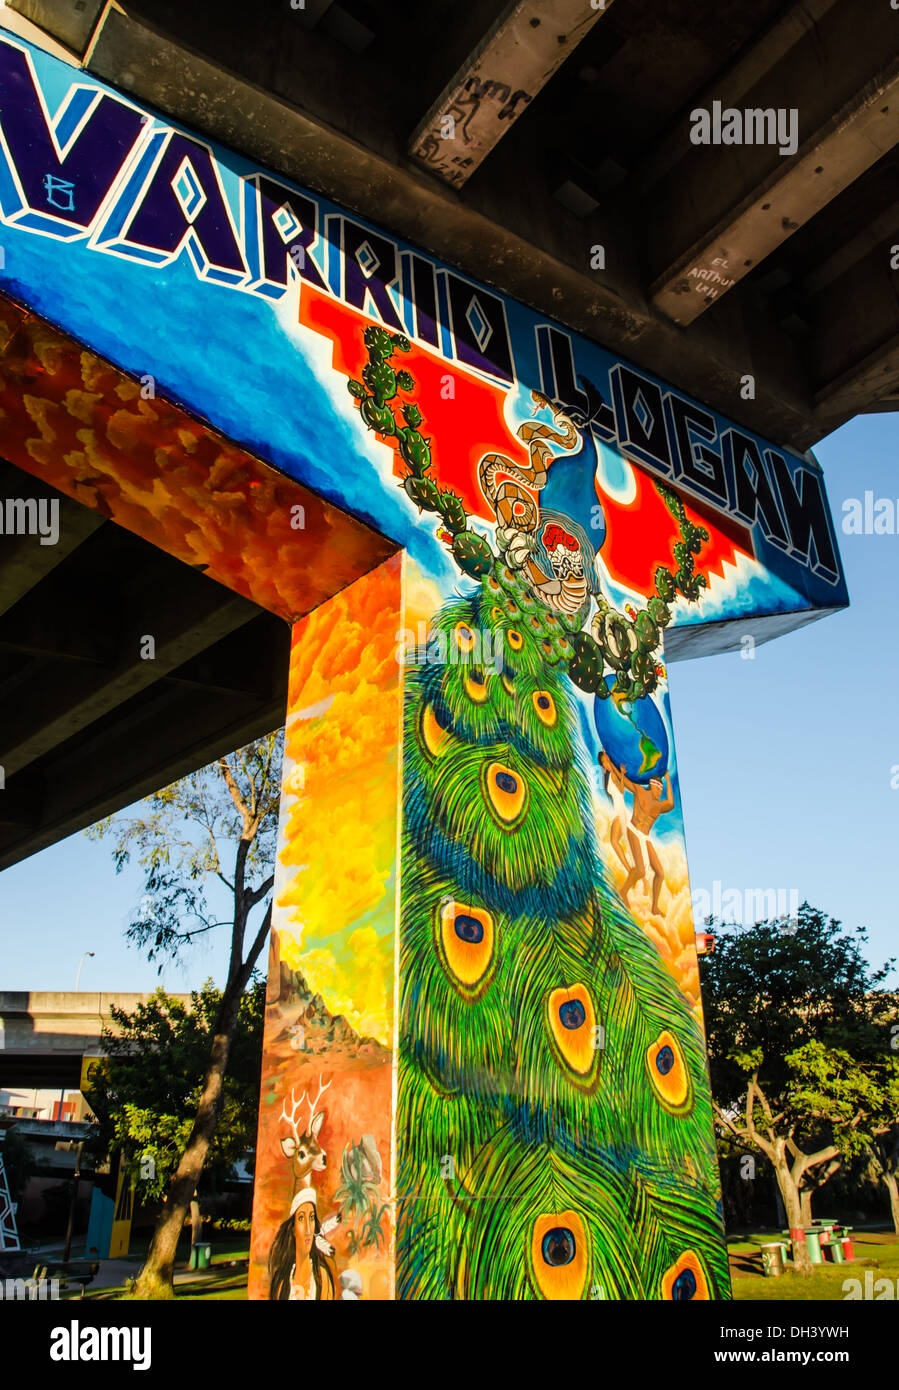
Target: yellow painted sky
{"x": 336, "y": 914}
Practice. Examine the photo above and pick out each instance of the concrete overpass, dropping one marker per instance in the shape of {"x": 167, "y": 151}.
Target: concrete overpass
{"x": 576, "y": 132}
{"x": 44, "y": 1035}
{"x": 759, "y": 282}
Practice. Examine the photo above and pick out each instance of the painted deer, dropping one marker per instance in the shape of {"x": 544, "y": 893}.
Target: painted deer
{"x": 306, "y": 1154}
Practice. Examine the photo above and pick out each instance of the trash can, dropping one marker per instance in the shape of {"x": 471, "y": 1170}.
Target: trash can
{"x": 200, "y": 1255}
{"x": 772, "y": 1260}
{"x": 846, "y": 1242}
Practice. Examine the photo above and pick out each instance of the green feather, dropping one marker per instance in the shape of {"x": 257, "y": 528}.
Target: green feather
{"x": 554, "y": 1120}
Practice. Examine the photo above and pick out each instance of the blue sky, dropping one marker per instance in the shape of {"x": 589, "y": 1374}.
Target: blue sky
{"x": 786, "y": 763}
{"x": 786, "y": 760}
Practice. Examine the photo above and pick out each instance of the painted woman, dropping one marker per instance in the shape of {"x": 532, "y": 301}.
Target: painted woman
{"x": 298, "y": 1268}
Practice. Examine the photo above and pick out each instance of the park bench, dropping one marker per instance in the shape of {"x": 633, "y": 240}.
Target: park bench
{"x": 72, "y": 1274}
{"x": 828, "y": 1242}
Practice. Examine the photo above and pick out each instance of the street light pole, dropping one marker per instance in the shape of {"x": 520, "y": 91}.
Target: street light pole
{"x": 80, "y": 963}
{"x": 70, "y": 1227}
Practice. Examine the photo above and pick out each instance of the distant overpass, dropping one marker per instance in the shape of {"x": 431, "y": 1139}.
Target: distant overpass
{"x": 45, "y": 1034}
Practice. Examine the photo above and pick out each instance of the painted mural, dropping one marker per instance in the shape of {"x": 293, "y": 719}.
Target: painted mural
{"x": 484, "y": 1071}
{"x": 127, "y": 231}
{"x": 554, "y": 1135}
{"x": 323, "y": 1214}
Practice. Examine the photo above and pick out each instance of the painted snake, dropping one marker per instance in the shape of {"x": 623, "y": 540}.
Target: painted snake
{"x": 518, "y": 515}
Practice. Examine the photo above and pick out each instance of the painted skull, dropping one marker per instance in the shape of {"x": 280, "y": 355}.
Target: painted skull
{"x": 564, "y": 552}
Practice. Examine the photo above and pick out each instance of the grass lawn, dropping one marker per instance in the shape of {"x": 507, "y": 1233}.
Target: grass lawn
{"x": 231, "y": 1285}
{"x": 877, "y": 1251}
{"x": 874, "y": 1250}
{"x": 225, "y": 1279}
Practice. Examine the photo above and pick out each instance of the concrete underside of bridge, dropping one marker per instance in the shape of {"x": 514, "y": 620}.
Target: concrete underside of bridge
{"x": 574, "y": 132}
{"x": 719, "y": 263}
{"x": 92, "y": 717}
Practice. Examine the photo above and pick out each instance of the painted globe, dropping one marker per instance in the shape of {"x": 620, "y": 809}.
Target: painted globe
{"x": 633, "y": 733}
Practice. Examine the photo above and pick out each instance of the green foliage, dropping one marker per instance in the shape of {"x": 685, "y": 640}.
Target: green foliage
{"x": 587, "y": 665}
{"x": 799, "y": 1031}
{"x": 194, "y": 829}
{"x": 218, "y": 822}
{"x": 230, "y": 1225}
{"x": 378, "y": 388}
{"x": 857, "y": 1100}
{"x": 372, "y": 1228}
{"x": 773, "y": 986}
{"x": 145, "y": 1094}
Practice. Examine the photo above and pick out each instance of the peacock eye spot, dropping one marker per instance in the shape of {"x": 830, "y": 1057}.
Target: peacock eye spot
{"x": 668, "y": 1074}
{"x": 545, "y": 708}
{"x": 684, "y": 1286}
{"x": 466, "y": 941}
{"x": 558, "y": 1246}
{"x": 506, "y": 793}
{"x": 572, "y": 1014}
{"x": 464, "y": 637}
{"x": 468, "y": 929}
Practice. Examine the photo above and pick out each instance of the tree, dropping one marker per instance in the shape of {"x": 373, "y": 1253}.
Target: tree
{"x": 769, "y": 990}
{"x": 860, "y": 1100}
{"x": 885, "y": 1150}
{"x": 145, "y": 1095}
{"x": 219, "y": 823}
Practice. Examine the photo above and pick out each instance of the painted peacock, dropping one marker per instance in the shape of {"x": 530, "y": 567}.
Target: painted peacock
{"x": 554, "y": 1127}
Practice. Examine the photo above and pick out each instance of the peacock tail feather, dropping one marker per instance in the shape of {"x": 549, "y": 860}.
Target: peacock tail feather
{"x": 554, "y": 1121}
